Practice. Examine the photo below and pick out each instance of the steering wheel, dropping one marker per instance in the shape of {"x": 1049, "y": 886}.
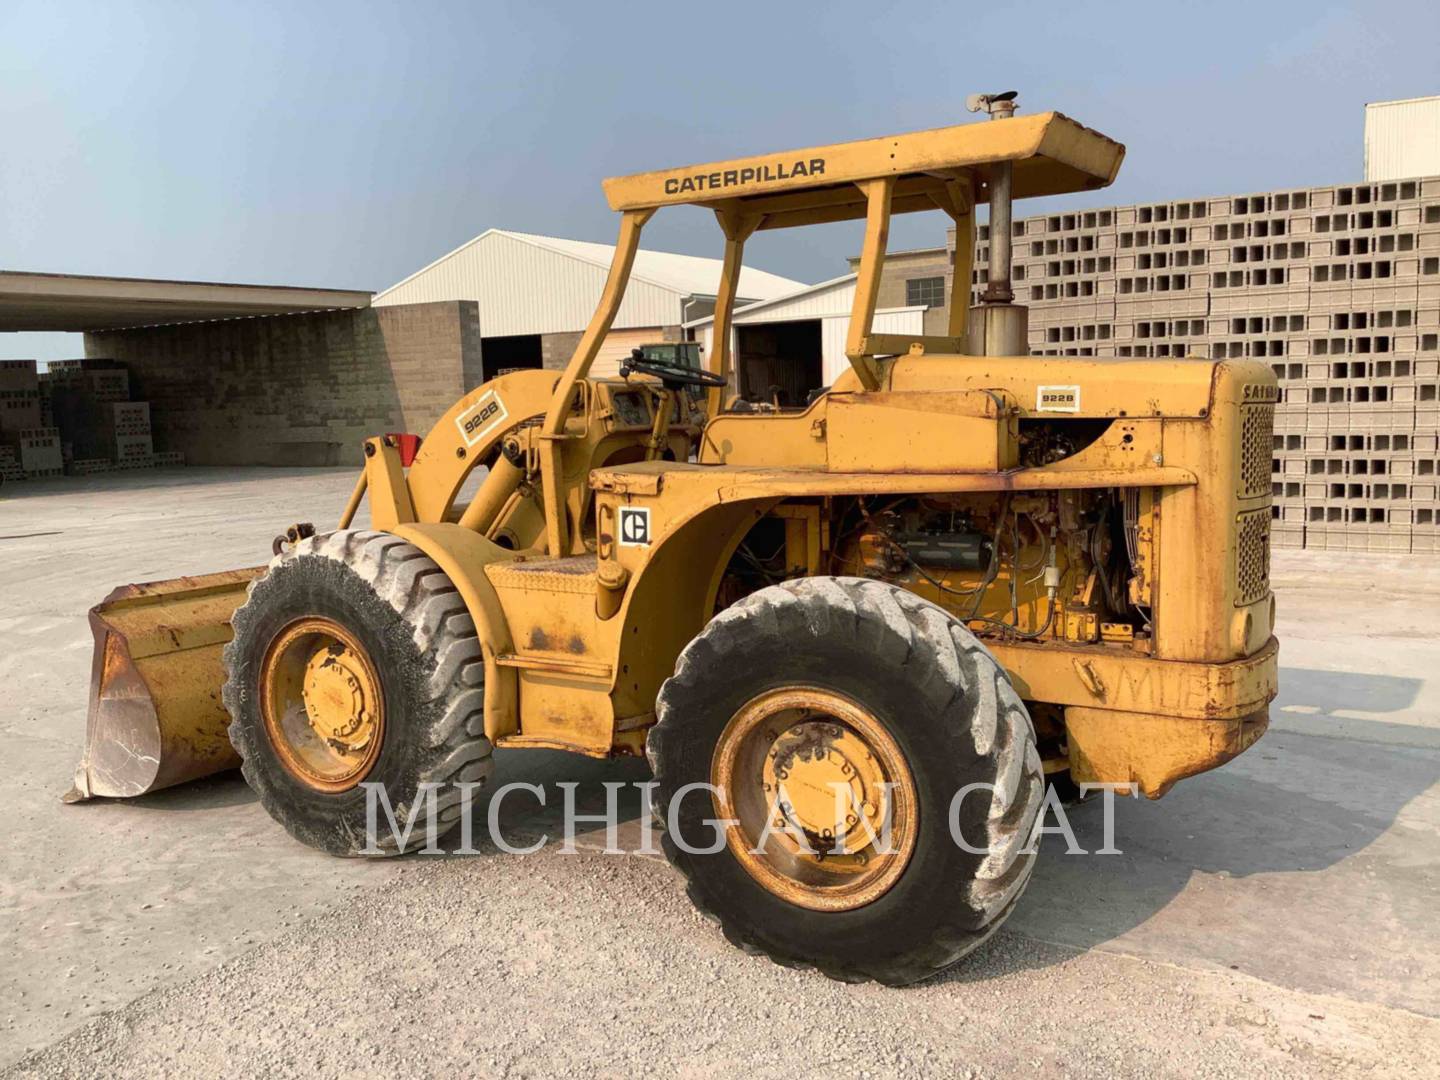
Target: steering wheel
{"x": 670, "y": 375}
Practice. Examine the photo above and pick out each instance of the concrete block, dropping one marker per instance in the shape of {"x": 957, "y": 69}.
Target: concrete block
{"x": 40, "y": 453}
{"x": 20, "y": 410}
{"x": 1284, "y": 535}
{"x": 131, "y": 447}
{"x": 18, "y": 375}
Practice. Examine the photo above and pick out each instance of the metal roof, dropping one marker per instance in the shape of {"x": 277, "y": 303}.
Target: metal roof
{"x": 686, "y": 275}
{"x": 843, "y": 283}
{"x": 75, "y": 302}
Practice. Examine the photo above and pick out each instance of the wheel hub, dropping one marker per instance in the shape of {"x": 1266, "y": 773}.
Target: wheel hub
{"x": 823, "y": 807}
{"x": 339, "y": 698}
{"x": 830, "y": 782}
{"x": 323, "y": 704}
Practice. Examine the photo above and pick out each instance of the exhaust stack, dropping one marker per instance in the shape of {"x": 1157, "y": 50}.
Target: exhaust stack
{"x": 999, "y": 326}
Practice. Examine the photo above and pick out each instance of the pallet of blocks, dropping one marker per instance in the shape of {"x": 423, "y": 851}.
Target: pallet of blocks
{"x": 25, "y": 444}
{"x": 127, "y": 427}
{"x": 103, "y": 430}
{"x": 40, "y": 454}
{"x": 19, "y": 396}
{"x": 96, "y": 379}
{"x": 9, "y": 465}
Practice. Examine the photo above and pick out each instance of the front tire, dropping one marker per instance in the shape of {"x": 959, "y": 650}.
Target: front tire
{"x": 354, "y": 662}
{"x": 868, "y": 684}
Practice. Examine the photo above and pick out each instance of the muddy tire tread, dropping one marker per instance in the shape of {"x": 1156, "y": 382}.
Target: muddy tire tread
{"x": 452, "y": 743}
{"x": 959, "y": 677}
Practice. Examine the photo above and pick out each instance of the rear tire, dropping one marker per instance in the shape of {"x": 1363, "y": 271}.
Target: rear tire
{"x": 403, "y": 614}
{"x": 940, "y": 697}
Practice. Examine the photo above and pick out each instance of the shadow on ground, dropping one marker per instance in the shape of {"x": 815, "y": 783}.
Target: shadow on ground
{"x": 1346, "y": 692}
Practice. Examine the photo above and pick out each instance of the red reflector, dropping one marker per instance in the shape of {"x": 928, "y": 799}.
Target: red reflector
{"x": 408, "y": 445}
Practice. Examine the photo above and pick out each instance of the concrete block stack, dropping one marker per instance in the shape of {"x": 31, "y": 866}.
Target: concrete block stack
{"x": 19, "y": 396}
{"x": 1337, "y": 288}
{"x": 128, "y": 429}
{"x": 100, "y": 427}
{"x": 30, "y": 449}
{"x": 40, "y": 454}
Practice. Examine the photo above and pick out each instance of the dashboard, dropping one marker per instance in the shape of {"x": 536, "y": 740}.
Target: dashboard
{"x": 631, "y": 408}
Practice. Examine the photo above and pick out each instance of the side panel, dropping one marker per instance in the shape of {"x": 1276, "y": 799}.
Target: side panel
{"x": 928, "y": 431}
{"x": 1214, "y": 601}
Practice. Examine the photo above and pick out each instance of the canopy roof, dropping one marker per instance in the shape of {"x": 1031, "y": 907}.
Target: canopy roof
{"x": 77, "y": 303}
{"x": 1050, "y": 153}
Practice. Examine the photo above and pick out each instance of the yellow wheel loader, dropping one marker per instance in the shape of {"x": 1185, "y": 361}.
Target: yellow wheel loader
{"x": 858, "y": 635}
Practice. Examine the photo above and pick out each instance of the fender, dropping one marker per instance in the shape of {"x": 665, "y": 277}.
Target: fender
{"x": 463, "y": 555}
{"x": 673, "y": 596}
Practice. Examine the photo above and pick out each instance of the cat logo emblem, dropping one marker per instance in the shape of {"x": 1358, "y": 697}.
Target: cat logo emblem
{"x": 634, "y": 526}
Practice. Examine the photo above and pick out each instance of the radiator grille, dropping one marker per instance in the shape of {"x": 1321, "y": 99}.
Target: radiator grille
{"x": 1257, "y": 427}
{"x": 1252, "y": 556}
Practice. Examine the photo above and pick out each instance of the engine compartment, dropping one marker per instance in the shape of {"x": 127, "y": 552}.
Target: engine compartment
{"x": 1062, "y": 565}
{"x": 1072, "y": 564}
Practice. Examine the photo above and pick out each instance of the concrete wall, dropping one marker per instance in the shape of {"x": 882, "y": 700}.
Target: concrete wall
{"x": 298, "y": 389}
{"x": 556, "y": 349}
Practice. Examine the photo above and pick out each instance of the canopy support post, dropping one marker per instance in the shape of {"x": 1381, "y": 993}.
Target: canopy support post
{"x": 867, "y": 280}
{"x": 552, "y": 434}
{"x": 737, "y": 228}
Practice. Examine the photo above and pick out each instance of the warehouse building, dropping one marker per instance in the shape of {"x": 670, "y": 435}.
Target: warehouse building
{"x": 274, "y": 375}
{"x": 787, "y": 347}
{"x": 1402, "y": 139}
{"x": 535, "y": 296}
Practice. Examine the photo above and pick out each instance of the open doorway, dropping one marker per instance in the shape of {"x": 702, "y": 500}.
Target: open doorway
{"x": 518, "y": 352}
{"x": 779, "y": 362}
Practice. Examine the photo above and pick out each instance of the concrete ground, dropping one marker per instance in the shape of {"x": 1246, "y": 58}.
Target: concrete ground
{"x": 1275, "y": 916}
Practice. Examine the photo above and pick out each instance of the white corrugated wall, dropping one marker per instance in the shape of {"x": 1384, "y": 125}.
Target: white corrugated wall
{"x": 1402, "y": 139}
{"x": 526, "y": 289}
{"x": 833, "y": 331}
{"x": 617, "y": 346}
{"x": 836, "y": 300}
{"x": 831, "y": 307}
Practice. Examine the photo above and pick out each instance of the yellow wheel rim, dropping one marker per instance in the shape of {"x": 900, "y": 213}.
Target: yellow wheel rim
{"x": 822, "y": 803}
{"x": 322, "y": 703}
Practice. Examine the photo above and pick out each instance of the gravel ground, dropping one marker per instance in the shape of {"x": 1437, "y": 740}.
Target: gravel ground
{"x": 587, "y": 965}
{"x": 1272, "y": 917}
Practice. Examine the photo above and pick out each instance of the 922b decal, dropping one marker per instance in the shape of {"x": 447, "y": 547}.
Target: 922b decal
{"x": 481, "y": 418}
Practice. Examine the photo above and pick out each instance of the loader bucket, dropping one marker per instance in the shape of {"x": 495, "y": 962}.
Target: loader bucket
{"x": 155, "y": 717}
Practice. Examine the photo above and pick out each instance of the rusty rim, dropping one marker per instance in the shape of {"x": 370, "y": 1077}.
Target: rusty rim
{"x": 322, "y": 703}
{"x": 821, "y": 805}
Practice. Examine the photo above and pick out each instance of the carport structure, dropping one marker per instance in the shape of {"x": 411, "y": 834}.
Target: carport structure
{"x": 80, "y": 303}
{"x": 260, "y": 374}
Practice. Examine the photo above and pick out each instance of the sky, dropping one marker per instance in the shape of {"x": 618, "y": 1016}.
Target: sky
{"x": 347, "y": 145}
